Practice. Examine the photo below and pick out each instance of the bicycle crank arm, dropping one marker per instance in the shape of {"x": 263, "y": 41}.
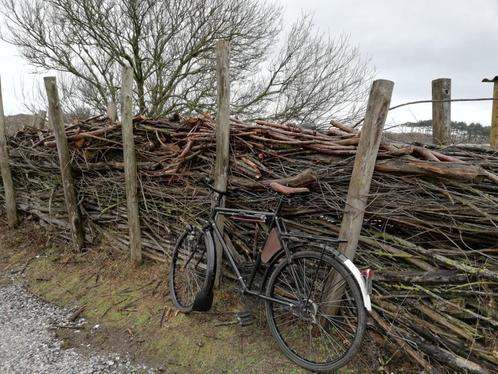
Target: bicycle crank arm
{"x": 264, "y": 297}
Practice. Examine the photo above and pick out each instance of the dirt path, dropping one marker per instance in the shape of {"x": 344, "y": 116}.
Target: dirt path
{"x": 28, "y": 343}
{"x": 34, "y": 334}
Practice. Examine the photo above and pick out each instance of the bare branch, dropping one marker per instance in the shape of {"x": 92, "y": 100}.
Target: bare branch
{"x": 298, "y": 75}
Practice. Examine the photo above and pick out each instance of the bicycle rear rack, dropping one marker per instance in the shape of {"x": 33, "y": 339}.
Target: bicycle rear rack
{"x": 311, "y": 237}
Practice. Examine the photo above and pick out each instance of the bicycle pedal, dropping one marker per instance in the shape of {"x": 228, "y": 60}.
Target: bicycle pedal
{"x": 245, "y": 318}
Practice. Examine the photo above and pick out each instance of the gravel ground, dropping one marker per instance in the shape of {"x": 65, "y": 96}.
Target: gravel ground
{"x": 28, "y": 346}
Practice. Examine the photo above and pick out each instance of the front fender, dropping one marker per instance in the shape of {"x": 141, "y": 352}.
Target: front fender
{"x": 204, "y": 298}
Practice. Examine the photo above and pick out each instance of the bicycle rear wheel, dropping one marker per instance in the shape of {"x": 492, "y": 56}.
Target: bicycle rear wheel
{"x": 190, "y": 281}
{"x": 317, "y": 334}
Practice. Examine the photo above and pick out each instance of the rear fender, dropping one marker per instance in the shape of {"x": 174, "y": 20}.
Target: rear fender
{"x": 360, "y": 281}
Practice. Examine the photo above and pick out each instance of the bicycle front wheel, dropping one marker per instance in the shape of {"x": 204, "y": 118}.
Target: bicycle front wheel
{"x": 319, "y": 333}
{"x": 189, "y": 269}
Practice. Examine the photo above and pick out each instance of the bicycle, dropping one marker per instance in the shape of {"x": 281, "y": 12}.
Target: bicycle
{"x": 302, "y": 271}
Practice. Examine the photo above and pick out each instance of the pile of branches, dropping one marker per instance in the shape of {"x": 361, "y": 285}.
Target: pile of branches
{"x": 430, "y": 231}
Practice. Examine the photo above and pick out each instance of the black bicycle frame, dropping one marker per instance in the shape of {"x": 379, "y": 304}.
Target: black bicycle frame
{"x": 251, "y": 215}
{"x": 276, "y": 222}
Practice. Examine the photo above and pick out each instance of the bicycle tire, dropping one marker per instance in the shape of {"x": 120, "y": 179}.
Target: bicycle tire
{"x": 191, "y": 272}
{"x": 312, "y": 323}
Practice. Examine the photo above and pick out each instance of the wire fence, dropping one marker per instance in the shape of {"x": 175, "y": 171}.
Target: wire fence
{"x": 429, "y": 102}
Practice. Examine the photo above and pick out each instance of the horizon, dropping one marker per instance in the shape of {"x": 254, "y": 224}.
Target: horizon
{"x": 448, "y": 42}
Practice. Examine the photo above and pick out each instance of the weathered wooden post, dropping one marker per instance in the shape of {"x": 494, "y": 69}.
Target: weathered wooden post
{"x": 112, "y": 111}
{"x": 8, "y": 184}
{"x": 130, "y": 165}
{"x": 364, "y": 164}
{"x": 493, "y": 136}
{"x": 222, "y": 134}
{"x": 56, "y": 120}
{"x": 361, "y": 178}
{"x": 441, "y": 111}
{"x": 39, "y": 120}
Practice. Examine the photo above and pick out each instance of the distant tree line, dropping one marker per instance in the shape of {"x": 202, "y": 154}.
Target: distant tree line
{"x": 465, "y": 132}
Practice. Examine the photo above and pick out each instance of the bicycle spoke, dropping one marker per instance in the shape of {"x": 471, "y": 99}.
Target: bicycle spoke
{"x": 311, "y": 333}
{"x": 189, "y": 269}
{"x": 332, "y": 341}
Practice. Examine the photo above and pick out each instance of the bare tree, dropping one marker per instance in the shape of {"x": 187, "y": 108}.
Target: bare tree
{"x": 296, "y": 75}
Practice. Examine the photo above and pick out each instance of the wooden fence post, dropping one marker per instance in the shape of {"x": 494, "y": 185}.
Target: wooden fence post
{"x": 56, "y": 120}
{"x": 8, "y": 184}
{"x": 441, "y": 111}
{"x": 222, "y": 134}
{"x": 364, "y": 164}
{"x": 112, "y": 111}
{"x": 39, "y": 120}
{"x": 493, "y": 136}
{"x": 361, "y": 178}
{"x": 130, "y": 165}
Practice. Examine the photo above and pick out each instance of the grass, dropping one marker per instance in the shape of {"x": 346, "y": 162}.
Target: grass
{"x": 131, "y": 305}
{"x": 132, "y": 301}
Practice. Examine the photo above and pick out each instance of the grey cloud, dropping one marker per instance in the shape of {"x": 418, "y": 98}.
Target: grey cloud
{"x": 409, "y": 42}
{"x": 413, "y": 42}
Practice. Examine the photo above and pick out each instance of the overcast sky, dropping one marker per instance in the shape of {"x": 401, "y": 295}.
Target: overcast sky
{"x": 414, "y": 42}
{"x": 409, "y": 42}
